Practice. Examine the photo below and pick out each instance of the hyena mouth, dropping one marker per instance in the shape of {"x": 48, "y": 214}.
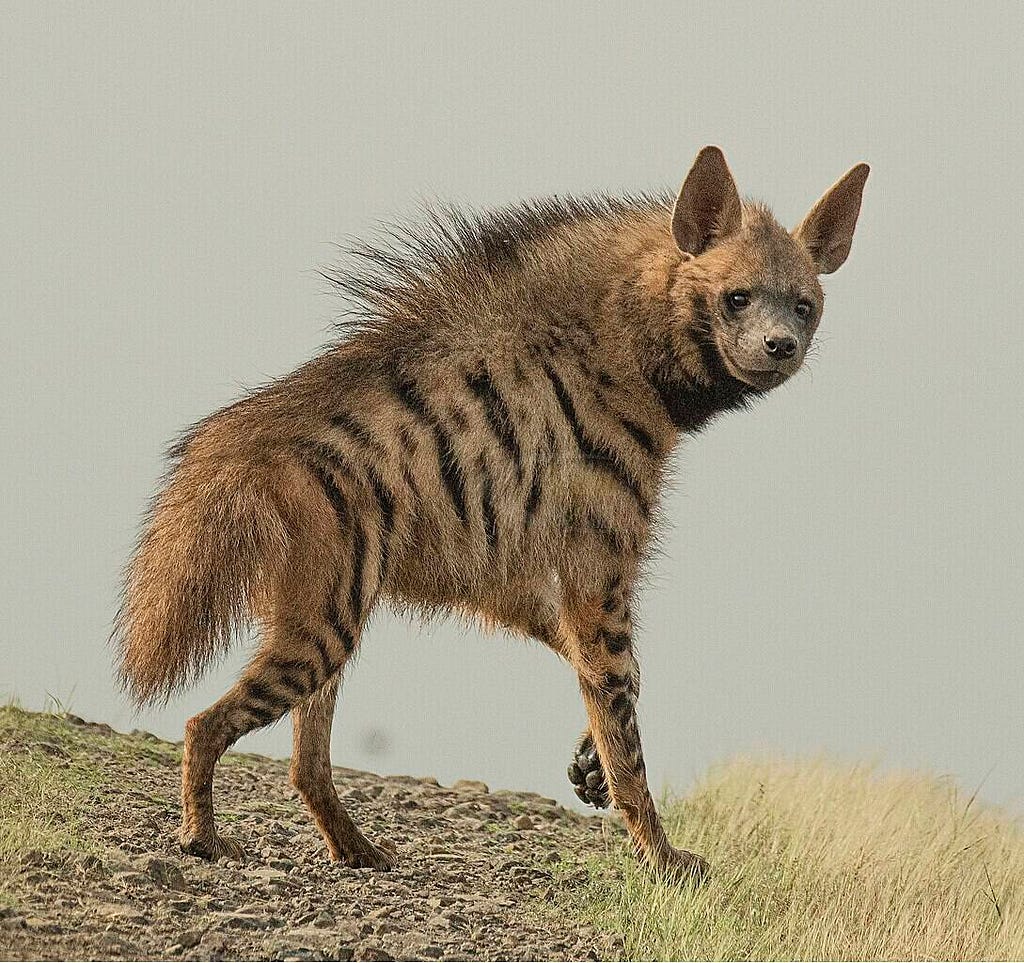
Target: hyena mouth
{"x": 759, "y": 378}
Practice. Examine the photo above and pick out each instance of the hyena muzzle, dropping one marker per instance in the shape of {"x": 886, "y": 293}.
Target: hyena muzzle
{"x": 489, "y": 436}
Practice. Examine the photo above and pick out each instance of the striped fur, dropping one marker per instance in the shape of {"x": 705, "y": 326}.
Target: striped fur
{"x": 490, "y": 434}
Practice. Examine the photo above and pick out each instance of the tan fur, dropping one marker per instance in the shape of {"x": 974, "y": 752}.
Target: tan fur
{"x": 491, "y": 439}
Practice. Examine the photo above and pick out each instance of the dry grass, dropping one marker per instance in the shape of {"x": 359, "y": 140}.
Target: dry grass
{"x": 41, "y": 795}
{"x": 814, "y": 860}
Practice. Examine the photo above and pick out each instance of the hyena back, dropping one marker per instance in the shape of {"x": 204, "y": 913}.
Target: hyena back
{"x": 491, "y": 438}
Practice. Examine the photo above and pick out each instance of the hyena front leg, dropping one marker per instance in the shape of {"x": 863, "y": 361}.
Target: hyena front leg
{"x": 599, "y": 644}
{"x": 312, "y": 777}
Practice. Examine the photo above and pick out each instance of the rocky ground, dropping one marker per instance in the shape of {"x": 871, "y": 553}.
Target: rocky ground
{"x": 482, "y": 874}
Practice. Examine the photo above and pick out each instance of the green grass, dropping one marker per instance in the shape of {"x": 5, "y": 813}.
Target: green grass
{"x": 42, "y": 793}
{"x": 813, "y": 860}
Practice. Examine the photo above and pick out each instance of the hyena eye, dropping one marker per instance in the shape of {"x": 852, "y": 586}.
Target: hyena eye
{"x": 803, "y": 309}
{"x": 738, "y": 300}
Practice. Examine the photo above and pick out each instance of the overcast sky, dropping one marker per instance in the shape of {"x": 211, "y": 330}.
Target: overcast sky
{"x": 843, "y": 572}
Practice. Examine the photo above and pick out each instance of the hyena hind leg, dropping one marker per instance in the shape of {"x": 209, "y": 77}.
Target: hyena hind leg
{"x": 295, "y": 661}
{"x": 312, "y": 777}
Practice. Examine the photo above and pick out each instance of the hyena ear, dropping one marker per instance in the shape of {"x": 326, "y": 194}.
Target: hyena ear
{"x": 708, "y": 207}
{"x": 827, "y": 231}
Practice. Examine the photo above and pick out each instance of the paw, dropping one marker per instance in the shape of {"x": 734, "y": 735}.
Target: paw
{"x": 366, "y": 855}
{"x": 587, "y": 775}
{"x": 212, "y": 847}
{"x": 682, "y": 868}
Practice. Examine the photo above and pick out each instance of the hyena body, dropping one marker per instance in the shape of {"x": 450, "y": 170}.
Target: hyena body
{"x": 492, "y": 440}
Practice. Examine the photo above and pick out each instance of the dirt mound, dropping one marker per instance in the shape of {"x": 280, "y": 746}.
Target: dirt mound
{"x": 480, "y": 876}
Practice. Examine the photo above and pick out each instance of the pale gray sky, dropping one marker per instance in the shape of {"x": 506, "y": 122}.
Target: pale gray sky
{"x": 844, "y": 568}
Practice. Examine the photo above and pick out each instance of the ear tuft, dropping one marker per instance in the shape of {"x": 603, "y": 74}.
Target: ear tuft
{"x": 708, "y": 207}
{"x": 827, "y": 230}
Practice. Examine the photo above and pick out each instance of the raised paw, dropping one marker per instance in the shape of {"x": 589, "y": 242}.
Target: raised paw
{"x": 211, "y": 847}
{"x": 587, "y": 774}
{"x": 682, "y": 868}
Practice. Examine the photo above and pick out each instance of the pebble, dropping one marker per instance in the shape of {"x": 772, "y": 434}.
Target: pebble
{"x": 165, "y": 873}
{"x": 470, "y": 785}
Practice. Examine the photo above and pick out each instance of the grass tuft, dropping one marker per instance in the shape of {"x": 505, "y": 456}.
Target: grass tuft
{"x": 41, "y": 793}
{"x": 813, "y": 860}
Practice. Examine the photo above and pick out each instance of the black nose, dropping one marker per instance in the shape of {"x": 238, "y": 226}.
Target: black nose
{"x": 777, "y": 345}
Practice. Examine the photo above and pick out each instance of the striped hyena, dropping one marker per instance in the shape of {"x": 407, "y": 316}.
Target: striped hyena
{"x": 490, "y": 437}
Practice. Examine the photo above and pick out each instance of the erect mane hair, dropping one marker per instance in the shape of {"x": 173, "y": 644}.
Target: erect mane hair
{"x": 451, "y": 250}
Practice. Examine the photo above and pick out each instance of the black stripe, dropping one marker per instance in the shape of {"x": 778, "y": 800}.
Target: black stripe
{"x": 361, "y": 433}
{"x": 612, "y": 682}
{"x": 384, "y": 495}
{"x": 608, "y": 535}
{"x": 297, "y": 688}
{"x": 616, "y": 642}
{"x": 641, "y": 437}
{"x": 408, "y": 394}
{"x": 598, "y": 456}
{"x": 313, "y": 639}
{"x": 447, "y": 458}
{"x": 498, "y": 416}
{"x": 261, "y": 692}
{"x": 334, "y": 620}
{"x": 334, "y": 495}
{"x": 385, "y": 501}
{"x": 533, "y": 499}
{"x": 622, "y": 706}
{"x": 355, "y": 598}
{"x": 289, "y": 671}
{"x": 386, "y": 506}
{"x": 612, "y": 602}
{"x": 263, "y": 715}
{"x": 487, "y": 505}
{"x": 325, "y": 657}
{"x": 451, "y": 476}
{"x": 638, "y": 433}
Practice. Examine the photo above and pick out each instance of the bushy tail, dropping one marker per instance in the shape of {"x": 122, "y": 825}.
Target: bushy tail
{"x": 213, "y": 537}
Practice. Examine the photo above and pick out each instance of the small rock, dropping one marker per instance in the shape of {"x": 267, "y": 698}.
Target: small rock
{"x": 166, "y": 874}
{"x": 131, "y": 879}
{"x": 33, "y": 858}
{"x": 118, "y": 913}
{"x": 370, "y": 951}
{"x": 191, "y": 938}
{"x": 523, "y": 822}
{"x": 470, "y": 785}
{"x": 89, "y": 863}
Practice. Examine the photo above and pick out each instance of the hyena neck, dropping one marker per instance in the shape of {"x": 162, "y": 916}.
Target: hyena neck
{"x": 671, "y": 321}
{"x": 692, "y": 381}
{"x": 690, "y": 403}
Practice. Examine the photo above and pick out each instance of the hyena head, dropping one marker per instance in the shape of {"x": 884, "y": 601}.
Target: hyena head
{"x": 747, "y": 285}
